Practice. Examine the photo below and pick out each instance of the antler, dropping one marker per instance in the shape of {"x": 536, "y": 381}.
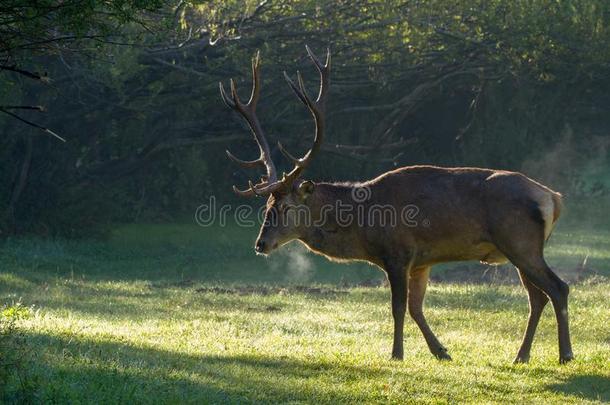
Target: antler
{"x": 317, "y": 111}
{"x": 271, "y": 183}
{"x": 248, "y": 111}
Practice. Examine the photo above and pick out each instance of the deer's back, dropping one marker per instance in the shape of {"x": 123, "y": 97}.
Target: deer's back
{"x": 454, "y": 210}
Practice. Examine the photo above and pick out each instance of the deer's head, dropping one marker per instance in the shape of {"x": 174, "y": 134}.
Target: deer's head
{"x": 289, "y": 194}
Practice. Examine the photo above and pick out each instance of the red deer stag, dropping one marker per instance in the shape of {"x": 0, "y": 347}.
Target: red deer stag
{"x": 467, "y": 214}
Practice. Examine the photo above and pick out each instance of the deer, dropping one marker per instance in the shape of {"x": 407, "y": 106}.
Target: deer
{"x": 468, "y": 213}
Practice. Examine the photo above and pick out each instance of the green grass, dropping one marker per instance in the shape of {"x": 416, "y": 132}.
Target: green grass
{"x": 179, "y": 314}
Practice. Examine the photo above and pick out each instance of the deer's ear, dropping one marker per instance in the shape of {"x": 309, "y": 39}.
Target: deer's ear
{"x": 305, "y": 189}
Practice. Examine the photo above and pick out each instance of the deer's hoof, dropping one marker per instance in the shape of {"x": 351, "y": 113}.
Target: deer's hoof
{"x": 442, "y": 354}
{"x": 397, "y": 356}
{"x": 521, "y": 359}
{"x": 566, "y": 358}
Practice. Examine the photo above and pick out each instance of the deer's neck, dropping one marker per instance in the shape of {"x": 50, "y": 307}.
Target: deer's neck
{"x": 334, "y": 231}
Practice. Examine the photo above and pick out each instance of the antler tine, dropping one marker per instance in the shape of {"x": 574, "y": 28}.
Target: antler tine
{"x": 254, "y": 95}
{"x": 251, "y": 191}
{"x": 248, "y": 112}
{"x": 226, "y": 100}
{"x": 288, "y": 155}
{"x": 245, "y": 163}
{"x": 234, "y": 102}
{"x": 324, "y": 74}
{"x": 295, "y": 89}
{"x": 243, "y": 193}
{"x": 252, "y": 187}
{"x": 324, "y": 71}
{"x": 316, "y": 108}
{"x": 303, "y": 90}
{"x": 238, "y": 104}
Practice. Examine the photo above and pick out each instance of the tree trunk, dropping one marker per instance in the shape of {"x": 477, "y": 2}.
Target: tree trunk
{"x": 11, "y": 226}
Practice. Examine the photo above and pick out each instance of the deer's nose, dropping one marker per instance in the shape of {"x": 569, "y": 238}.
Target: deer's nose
{"x": 260, "y": 246}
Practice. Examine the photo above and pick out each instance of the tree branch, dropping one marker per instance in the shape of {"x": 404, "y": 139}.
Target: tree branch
{"x": 36, "y": 76}
{"x": 23, "y": 107}
{"x": 32, "y": 124}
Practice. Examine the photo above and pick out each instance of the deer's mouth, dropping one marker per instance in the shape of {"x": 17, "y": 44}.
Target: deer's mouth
{"x": 264, "y": 248}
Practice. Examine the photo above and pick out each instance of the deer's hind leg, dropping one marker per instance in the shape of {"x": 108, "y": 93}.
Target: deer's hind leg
{"x": 521, "y": 239}
{"x": 537, "y": 302}
{"x": 418, "y": 281}
{"x": 397, "y": 276}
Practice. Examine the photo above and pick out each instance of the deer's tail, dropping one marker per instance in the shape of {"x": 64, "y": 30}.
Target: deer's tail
{"x": 551, "y": 210}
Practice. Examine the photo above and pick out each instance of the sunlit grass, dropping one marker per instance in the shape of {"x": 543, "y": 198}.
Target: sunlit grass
{"x": 125, "y": 322}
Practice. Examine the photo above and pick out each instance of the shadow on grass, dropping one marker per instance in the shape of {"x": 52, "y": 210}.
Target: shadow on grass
{"x": 592, "y": 387}
{"x": 77, "y": 370}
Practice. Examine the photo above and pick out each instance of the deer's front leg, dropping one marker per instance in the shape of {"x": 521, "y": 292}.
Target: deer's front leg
{"x": 397, "y": 276}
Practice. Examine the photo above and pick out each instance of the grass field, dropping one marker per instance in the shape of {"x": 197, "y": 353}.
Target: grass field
{"x": 175, "y": 314}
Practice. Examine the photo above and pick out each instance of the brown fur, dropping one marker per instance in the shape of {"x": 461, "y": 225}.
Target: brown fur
{"x": 463, "y": 214}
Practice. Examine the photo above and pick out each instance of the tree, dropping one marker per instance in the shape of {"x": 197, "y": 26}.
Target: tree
{"x": 472, "y": 82}
{"x": 33, "y": 30}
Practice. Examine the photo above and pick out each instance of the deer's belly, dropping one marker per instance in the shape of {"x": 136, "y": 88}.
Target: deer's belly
{"x": 484, "y": 252}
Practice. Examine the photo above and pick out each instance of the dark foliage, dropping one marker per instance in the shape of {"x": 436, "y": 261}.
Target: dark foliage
{"x": 519, "y": 85}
